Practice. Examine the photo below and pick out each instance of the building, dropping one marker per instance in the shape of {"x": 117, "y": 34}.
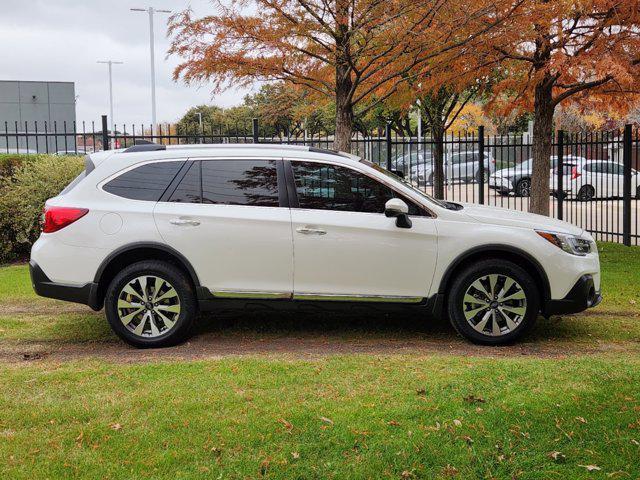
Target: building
{"x": 27, "y": 108}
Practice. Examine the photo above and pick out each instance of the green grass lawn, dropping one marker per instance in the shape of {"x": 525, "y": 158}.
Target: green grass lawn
{"x": 276, "y": 415}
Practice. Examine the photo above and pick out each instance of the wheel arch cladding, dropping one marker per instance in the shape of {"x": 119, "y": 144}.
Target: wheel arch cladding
{"x": 503, "y": 252}
{"x": 136, "y": 252}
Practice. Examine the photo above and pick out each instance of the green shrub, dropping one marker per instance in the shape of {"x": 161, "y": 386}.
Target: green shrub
{"x": 22, "y": 198}
{"x": 9, "y": 163}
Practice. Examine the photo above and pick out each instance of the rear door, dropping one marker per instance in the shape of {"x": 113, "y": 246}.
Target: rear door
{"x": 229, "y": 218}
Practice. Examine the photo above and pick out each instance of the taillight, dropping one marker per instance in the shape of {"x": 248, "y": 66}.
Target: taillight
{"x": 56, "y": 218}
{"x": 574, "y": 173}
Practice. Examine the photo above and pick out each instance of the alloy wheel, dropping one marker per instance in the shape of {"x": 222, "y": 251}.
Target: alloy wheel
{"x": 524, "y": 188}
{"x": 494, "y": 305}
{"x": 148, "y": 306}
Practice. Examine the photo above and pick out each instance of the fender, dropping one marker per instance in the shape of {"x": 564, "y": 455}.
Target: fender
{"x": 156, "y": 246}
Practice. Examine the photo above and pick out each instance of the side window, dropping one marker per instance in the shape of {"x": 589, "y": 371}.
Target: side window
{"x": 240, "y": 182}
{"x": 147, "y": 182}
{"x": 331, "y": 187}
{"x": 616, "y": 169}
{"x": 189, "y": 188}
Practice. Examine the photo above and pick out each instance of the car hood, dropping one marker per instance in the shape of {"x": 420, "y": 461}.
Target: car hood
{"x": 515, "y": 218}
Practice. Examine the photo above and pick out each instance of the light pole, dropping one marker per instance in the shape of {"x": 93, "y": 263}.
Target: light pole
{"x": 151, "y": 11}
{"x": 110, "y": 63}
{"x": 200, "y": 124}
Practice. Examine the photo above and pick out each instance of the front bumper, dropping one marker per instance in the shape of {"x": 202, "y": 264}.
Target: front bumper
{"x": 86, "y": 294}
{"x": 583, "y": 295}
{"x": 499, "y": 183}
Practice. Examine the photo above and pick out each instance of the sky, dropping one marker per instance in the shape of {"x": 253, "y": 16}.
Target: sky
{"x": 61, "y": 40}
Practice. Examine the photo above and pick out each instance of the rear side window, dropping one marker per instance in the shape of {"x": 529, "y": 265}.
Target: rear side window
{"x": 147, "y": 182}
{"x": 240, "y": 182}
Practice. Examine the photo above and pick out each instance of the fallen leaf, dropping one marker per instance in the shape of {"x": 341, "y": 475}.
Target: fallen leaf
{"x": 295, "y": 455}
{"x": 558, "y": 457}
{"x": 421, "y": 391}
{"x": 468, "y": 439}
{"x": 591, "y": 468}
{"x": 393, "y": 423}
{"x": 327, "y": 420}
{"x": 450, "y": 471}
{"x": 474, "y": 399}
{"x": 581, "y": 419}
{"x": 406, "y": 474}
{"x": 286, "y": 424}
{"x": 457, "y": 422}
{"x": 115, "y": 426}
{"x": 635, "y": 442}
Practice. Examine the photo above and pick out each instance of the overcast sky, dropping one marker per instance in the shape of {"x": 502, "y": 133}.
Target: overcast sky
{"x": 61, "y": 40}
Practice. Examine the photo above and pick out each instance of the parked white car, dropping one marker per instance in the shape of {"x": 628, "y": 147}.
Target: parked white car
{"x": 155, "y": 234}
{"x": 592, "y": 179}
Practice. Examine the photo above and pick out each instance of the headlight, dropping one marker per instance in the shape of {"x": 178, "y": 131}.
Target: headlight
{"x": 569, "y": 243}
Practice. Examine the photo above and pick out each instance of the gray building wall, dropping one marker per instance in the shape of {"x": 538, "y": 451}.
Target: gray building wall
{"x": 32, "y": 105}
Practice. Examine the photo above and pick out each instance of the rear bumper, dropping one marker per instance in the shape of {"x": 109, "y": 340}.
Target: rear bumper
{"x": 583, "y": 295}
{"x": 86, "y": 294}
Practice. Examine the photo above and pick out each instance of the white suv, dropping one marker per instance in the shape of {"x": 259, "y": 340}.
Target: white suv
{"x": 155, "y": 234}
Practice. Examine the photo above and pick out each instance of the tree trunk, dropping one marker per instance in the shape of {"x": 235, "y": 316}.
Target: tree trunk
{"x": 344, "y": 109}
{"x": 542, "y": 148}
{"x": 438, "y": 161}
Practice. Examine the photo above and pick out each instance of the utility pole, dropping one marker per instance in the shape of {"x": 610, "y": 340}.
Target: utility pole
{"x": 110, "y": 63}
{"x": 151, "y": 11}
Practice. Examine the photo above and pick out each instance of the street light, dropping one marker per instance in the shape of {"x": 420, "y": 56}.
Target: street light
{"x": 151, "y": 11}
{"x": 110, "y": 63}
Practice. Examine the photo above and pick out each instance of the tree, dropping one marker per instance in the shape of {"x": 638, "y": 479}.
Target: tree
{"x": 348, "y": 50}
{"x": 441, "y": 107}
{"x": 571, "y": 50}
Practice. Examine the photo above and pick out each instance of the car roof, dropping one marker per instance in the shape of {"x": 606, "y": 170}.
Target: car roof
{"x": 148, "y": 152}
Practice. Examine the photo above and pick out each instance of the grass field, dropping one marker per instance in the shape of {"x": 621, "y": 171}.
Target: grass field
{"x": 569, "y": 408}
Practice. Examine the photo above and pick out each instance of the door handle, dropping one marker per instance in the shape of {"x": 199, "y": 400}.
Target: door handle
{"x": 311, "y": 231}
{"x": 184, "y": 222}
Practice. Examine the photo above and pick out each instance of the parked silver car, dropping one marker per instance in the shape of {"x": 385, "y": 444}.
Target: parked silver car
{"x": 418, "y": 166}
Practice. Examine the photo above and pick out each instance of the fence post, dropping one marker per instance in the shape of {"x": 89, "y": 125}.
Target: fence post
{"x": 256, "y": 138}
{"x": 626, "y": 202}
{"x": 105, "y": 134}
{"x": 560, "y": 175}
{"x": 481, "y": 158}
{"x": 387, "y": 134}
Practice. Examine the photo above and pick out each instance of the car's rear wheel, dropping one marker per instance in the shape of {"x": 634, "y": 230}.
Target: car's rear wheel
{"x": 151, "y": 304}
{"x": 586, "y": 193}
{"x": 493, "y": 302}
{"x": 523, "y": 187}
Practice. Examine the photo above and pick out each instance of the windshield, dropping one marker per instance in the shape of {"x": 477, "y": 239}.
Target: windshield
{"x": 396, "y": 178}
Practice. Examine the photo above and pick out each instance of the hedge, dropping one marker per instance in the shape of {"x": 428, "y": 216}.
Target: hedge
{"x": 26, "y": 182}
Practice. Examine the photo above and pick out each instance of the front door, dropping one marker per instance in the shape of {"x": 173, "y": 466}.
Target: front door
{"x": 225, "y": 217}
{"x": 346, "y": 248}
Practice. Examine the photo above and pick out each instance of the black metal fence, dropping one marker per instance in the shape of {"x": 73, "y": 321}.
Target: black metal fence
{"x": 593, "y": 179}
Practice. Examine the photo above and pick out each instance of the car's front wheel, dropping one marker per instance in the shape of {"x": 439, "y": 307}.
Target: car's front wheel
{"x": 523, "y": 188}
{"x": 151, "y": 304}
{"x": 493, "y": 302}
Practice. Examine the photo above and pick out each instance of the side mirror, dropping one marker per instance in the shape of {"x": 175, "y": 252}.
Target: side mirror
{"x": 398, "y": 209}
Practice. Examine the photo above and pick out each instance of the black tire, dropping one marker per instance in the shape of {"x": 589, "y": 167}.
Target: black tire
{"x": 184, "y": 319}
{"x": 586, "y": 193}
{"x": 463, "y": 282}
{"x": 523, "y": 187}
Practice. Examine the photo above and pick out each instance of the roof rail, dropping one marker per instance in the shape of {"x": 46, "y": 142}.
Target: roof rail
{"x": 145, "y": 146}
